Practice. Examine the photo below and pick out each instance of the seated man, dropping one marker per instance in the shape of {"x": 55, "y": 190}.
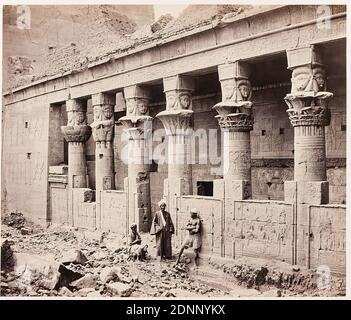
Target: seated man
{"x": 193, "y": 239}
{"x": 136, "y": 249}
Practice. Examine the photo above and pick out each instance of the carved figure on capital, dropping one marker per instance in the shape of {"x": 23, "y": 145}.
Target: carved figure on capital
{"x": 178, "y": 100}
{"x": 103, "y": 123}
{"x": 307, "y": 79}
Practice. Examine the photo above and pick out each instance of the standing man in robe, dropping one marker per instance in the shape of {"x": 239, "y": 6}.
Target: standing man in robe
{"x": 162, "y": 227}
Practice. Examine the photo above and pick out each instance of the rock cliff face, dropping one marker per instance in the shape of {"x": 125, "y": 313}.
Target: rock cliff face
{"x": 56, "y": 27}
{"x": 68, "y": 38}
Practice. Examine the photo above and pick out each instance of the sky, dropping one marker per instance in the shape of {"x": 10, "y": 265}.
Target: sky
{"x": 174, "y": 10}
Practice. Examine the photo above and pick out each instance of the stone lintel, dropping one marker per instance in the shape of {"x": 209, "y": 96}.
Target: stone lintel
{"x": 303, "y": 56}
{"x": 235, "y": 70}
{"x": 135, "y": 92}
{"x": 178, "y": 82}
{"x": 102, "y": 98}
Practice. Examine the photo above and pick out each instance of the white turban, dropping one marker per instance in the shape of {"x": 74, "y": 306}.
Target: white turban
{"x": 161, "y": 202}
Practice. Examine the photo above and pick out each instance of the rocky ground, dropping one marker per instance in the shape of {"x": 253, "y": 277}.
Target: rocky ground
{"x": 61, "y": 261}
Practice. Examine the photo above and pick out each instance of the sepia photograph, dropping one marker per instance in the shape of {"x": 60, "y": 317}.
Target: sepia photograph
{"x": 173, "y": 151}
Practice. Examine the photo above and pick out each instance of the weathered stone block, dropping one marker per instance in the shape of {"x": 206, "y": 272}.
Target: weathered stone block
{"x": 178, "y": 83}
{"x": 290, "y": 191}
{"x": 316, "y": 192}
{"x": 120, "y": 102}
{"x": 238, "y": 189}
{"x": 88, "y": 281}
{"x": 231, "y": 70}
{"x": 218, "y": 188}
{"x": 302, "y": 56}
{"x": 83, "y": 194}
{"x": 101, "y": 98}
{"x": 58, "y": 169}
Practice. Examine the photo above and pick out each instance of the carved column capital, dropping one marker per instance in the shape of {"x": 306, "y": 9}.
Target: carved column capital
{"x": 309, "y": 98}
{"x": 137, "y": 121}
{"x": 103, "y": 123}
{"x": 175, "y": 122}
{"x": 176, "y": 118}
{"x": 235, "y": 110}
{"x": 77, "y": 129}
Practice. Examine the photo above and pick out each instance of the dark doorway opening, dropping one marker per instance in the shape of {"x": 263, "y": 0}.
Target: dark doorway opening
{"x": 205, "y": 188}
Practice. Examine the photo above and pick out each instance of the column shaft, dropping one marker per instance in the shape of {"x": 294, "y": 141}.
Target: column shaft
{"x": 179, "y": 166}
{"x": 237, "y": 155}
{"x": 309, "y": 152}
{"x": 138, "y": 124}
{"x": 77, "y": 169}
{"x": 139, "y": 184}
{"x": 103, "y": 134}
{"x": 104, "y": 166}
{"x": 176, "y": 121}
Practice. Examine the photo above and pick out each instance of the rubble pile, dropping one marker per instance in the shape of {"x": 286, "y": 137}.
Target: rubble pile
{"x": 65, "y": 262}
{"x": 161, "y": 22}
{"x": 195, "y": 16}
{"x": 289, "y": 280}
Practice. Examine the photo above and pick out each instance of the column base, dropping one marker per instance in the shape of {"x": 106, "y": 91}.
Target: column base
{"x": 309, "y": 192}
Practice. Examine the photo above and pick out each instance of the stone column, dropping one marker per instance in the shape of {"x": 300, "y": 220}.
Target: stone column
{"x": 309, "y": 114}
{"x": 103, "y": 134}
{"x": 176, "y": 121}
{"x": 76, "y": 133}
{"x": 138, "y": 125}
{"x": 236, "y": 121}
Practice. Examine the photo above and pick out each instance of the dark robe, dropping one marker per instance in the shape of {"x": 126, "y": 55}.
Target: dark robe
{"x": 163, "y": 232}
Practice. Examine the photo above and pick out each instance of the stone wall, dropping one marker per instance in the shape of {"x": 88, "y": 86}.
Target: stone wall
{"x": 211, "y": 212}
{"x": 114, "y": 212}
{"x": 268, "y": 230}
{"x": 24, "y": 178}
{"x": 262, "y": 229}
{"x": 328, "y": 237}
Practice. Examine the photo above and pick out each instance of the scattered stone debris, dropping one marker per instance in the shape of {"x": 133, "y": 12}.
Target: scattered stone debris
{"x": 15, "y": 220}
{"x": 263, "y": 275}
{"x": 7, "y": 259}
{"x": 62, "y": 261}
{"x": 161, "y": 22}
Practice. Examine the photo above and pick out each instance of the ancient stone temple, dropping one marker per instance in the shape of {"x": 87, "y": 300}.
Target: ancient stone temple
{"x": 243, "y": 118}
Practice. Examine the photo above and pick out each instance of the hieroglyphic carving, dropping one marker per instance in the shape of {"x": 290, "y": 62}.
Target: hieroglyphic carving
{"x": 263, "y": 229}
